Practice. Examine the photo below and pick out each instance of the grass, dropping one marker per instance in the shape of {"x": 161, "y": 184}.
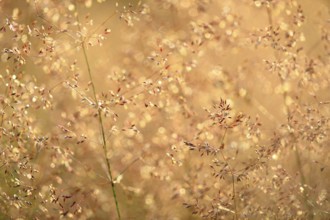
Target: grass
{"x": 195, "y": 110}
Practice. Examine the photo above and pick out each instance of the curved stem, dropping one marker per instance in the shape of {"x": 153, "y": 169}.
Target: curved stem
{"x": 100, "y": 119}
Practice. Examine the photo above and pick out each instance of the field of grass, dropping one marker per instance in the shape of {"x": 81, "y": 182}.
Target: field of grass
{"x": 164, "y": 109}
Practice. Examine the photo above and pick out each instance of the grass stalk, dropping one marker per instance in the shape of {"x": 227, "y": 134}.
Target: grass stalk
{"x": 298, "y": 158}
{"x": 100, "y": 120}
{"x": 295, "y": 148}
{"x": 232, "y": 178}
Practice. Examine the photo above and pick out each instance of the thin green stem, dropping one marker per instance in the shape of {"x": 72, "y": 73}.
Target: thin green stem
{"x": 303, "y": 183}
{"x": 295, "y": 148}
{"x": 234, "y": 194}
{"x": 104, "y": 143}
{"x": 100, "y": 119}
{"x": 232, "y": 177}
{"x": 297, "y": 155}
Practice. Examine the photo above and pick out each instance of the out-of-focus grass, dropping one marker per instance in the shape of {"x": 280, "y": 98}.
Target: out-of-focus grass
{"x": 157, "y": 74}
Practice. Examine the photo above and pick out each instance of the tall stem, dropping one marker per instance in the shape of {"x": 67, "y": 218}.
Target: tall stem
{"x": 232, "y": 177}
{"x": 293, "y": 139}
{"x": 100, "y": 119}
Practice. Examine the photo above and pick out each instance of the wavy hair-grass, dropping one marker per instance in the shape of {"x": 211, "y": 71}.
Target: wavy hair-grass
{"x": 164, "y": 109}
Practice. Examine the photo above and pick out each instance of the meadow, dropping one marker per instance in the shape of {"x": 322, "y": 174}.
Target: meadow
{"x": 164, "y": 109}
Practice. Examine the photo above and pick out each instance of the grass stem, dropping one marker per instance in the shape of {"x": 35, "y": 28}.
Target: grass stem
{"x": 100, "y": 120}
{"x": 232, "y": 177}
